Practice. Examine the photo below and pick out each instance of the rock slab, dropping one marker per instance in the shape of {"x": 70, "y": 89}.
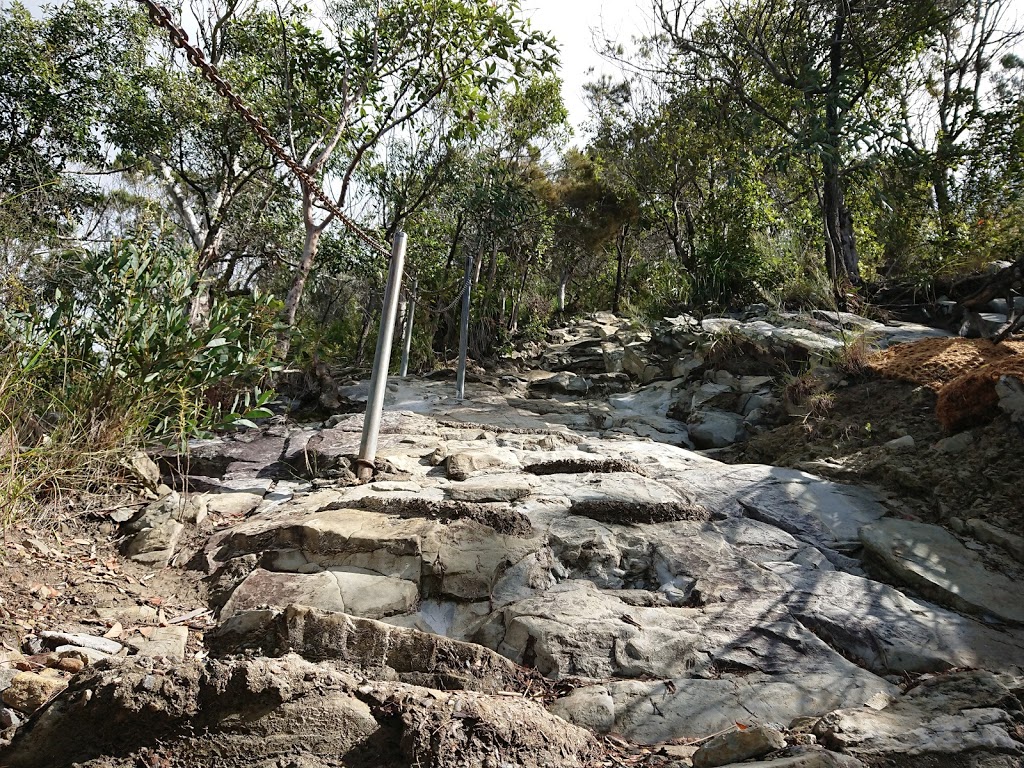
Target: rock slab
{"x": 29, "y": 691}
{"x": 933, "y": 561}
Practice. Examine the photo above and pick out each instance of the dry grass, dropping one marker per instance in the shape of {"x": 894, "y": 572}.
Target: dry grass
{"x": 963, "y": 372}
{"x": 854, "y": 357}
{"x": 934, "y": 363}
{"x": 55, "y": 455}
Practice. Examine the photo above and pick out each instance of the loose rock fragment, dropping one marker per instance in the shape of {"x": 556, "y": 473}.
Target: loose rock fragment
{"x": 162, "y": 641}
{"x": 101, "y": 644}
{"x": 738, "y": 746}
{"x": 29, "y": 691}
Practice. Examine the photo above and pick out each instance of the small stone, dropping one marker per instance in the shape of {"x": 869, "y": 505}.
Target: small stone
{"x": 195, "y": 509}
{"x": 129, "y": 614}
{"x": 724, "y": 378}
{"x": 122, "y": 514}
{"x": 163, "y": 641}
{"x": 462, "y": 465}
{"x": 101, "y": 644}
{"x": 590, "y": 708}
{"x": 905, "y": 443}
{"x": 1010, "y": 390}
{"x": 683, "y": 752}
{"x": 737, "y": 746}
{"x": 714, "y": 395}
{"x": 87, "y": 656}
{"x": 9, "y": 719}
{"x": 955, "y": 444}
{"x": 74, "y": 666}
{"x": 145, "y": 469}
{"x": 29, "y": 691}
{"x": 684, "y": 366}
{"x": 6, "y": 677}
{"x": 750, "y": 384}
{"x": 155, "y": 546}
{"x": 494, "y": 488}
{"x": 32, "y": 645}
{"x": 803, "y": 724}
{"x": 749, "y": 403}
{"x": 715, "y": 429}
{"x": 754, "y": 418}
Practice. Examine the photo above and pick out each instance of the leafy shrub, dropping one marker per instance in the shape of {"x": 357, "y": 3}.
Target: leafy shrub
{"x": 105, "y": 358}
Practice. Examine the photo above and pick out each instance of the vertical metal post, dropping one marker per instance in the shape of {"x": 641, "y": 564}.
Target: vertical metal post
{"x": 381, "y": 361}
{"x": 410, "y": 316}
{"x": 460, "y": 378}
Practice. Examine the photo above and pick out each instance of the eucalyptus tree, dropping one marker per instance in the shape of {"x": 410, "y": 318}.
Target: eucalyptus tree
{"x": 940, "y": 99}
{"x": 693, "y": 164}
{"x": 373, "y": 68}
{"x": 805, "y": 66}
{"x": 993, "y": 185}
{"x": 174, "y": 131}
{"x": 492, "y": 209}
{"x": 56, "y": 88}
{"x": 589, "y": 214}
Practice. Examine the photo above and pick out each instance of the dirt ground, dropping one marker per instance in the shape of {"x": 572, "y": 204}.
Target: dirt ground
{"x": 71, "y": 577}
{"x": 847, "y": 442}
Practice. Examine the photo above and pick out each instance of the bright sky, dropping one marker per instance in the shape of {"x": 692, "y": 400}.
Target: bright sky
{"x": 577, "y": 24}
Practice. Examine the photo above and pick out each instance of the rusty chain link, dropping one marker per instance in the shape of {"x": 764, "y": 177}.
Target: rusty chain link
{"x": 179, "y": 38}
{"x": 161, "y": 16}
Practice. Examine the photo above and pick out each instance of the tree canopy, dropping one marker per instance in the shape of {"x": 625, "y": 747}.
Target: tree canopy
{"x": 780, "y": 151}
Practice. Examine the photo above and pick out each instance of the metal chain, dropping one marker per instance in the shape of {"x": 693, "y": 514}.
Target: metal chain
{"x": 426, "y": 294}
{"x": 179, "y": 38}
{"x": 456, "y": 300}
{"x": 161, "y": 16}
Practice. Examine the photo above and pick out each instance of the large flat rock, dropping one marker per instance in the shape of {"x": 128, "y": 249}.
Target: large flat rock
{"x": 963, "y": 712}
{"x": 656, "y": 712}
{"x": 286, "y": 711}
{"x": 379, "y": 649}
{"x": 360, "y": 593}
{"x": 679, "y": 594}
{"x": 934, "y": 562}
{"x": 574, "y": 629}
{"x": 888, "y": 632}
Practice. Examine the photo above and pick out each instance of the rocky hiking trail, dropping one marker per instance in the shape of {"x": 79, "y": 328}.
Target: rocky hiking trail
{"x": 573, "y": 567}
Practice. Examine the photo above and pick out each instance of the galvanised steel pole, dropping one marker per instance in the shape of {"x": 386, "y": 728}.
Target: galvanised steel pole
{"x": 460, "y": 378}
{"x": 410, "y": 315}
{"x": 381, "y": 361}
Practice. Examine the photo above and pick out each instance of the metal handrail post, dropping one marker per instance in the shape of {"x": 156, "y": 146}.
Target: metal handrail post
{"x": 460, "y": 378}
{"x": 381, "y": 361}
{"x": 410, "y": 315}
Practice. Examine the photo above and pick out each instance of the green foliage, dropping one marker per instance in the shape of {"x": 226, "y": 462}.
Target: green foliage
{"x": 105, "y": 359}
{"x": 56, "y": 87}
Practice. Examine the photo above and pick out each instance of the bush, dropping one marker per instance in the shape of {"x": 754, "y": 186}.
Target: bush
{"x": 104, "y": 359}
